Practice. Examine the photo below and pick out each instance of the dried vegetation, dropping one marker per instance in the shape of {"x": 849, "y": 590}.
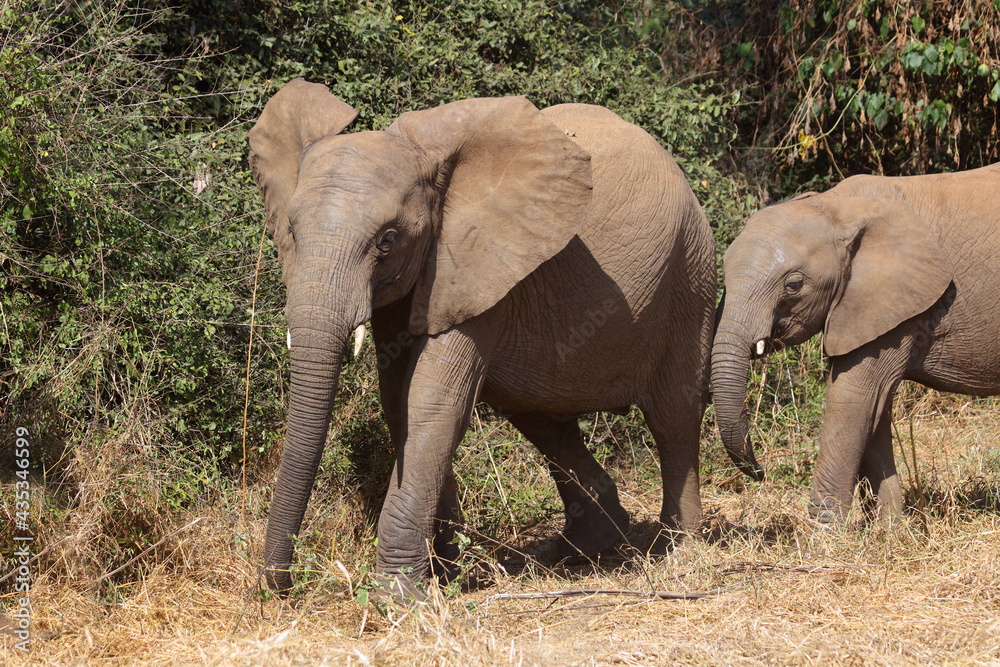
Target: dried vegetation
{"x": 765, "y": 585}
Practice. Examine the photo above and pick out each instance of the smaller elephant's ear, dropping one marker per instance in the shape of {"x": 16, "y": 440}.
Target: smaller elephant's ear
{"x": 896, "y": 270}
{"x": 297, "y": 115}
{"x": 516, "y": 190}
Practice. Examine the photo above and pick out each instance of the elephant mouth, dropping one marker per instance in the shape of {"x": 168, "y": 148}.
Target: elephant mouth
{"x": 781, "y": 334}
{"x": 764, "y": 347}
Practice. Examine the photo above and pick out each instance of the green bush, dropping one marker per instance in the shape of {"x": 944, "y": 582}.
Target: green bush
{"x": 127, "y": 240}
{"x": 841, "y": 88}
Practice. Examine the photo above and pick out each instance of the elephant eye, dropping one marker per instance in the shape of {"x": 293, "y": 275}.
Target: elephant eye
{"x": 385, "y": 243}
{"x": 793, "y": 284}
{"x": 291, "y": 232}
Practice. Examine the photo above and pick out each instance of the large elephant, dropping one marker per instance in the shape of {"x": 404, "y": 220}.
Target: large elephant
{"x": 549, "y": 263}
{"x": 900, "y": 275}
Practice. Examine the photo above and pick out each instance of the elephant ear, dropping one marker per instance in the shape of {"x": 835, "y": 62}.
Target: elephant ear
{"x": 297, "y": 115}
{"x": 516, "y": 190}
{"x": 896, "y": 270}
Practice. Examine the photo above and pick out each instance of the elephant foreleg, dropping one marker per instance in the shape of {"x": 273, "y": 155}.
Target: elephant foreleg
{"x": 856, "y": 439}
{"x": 421, "y": 506}
{"x": 595, "y": 519}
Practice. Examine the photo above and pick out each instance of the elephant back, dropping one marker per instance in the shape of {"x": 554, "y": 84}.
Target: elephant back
{"x": 642, "y": 203}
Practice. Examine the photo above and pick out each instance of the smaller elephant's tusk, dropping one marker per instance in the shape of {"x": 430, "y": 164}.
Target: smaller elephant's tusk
{"x": 288, "y": 338}
{"x": 760, "y": 347}
{"x": 359, "y": 339}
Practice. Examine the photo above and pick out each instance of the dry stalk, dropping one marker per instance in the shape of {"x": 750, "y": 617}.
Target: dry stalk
{"x": 246, "y": 398}
{"x": 147, "y": 550}
{"x": 914, "y": 474}
{"x": 654, "y": 595}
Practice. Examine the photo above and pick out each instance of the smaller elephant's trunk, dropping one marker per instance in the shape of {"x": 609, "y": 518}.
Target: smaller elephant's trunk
{"x": 731, "y": 354}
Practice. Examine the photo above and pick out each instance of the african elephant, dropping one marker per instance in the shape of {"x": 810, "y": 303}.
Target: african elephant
{"x": 899, "y": 274}
{"x": 550, "y": 263}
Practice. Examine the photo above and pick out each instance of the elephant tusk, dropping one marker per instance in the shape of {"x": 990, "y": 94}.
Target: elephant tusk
{"x": 288, "y": 338}
{"x": 760, "y": 347}
{"x": 359, "y": 339}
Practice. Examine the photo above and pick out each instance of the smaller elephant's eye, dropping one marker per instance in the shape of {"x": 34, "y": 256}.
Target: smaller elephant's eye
{"x": 793, "y": 284}
{"x": 385, "y": 243}
{"x": 291, "y": 232}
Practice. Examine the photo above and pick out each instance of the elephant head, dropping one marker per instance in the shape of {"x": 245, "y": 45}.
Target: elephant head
{"x": 452, "y": 206}
{"x": 853, "y": 262}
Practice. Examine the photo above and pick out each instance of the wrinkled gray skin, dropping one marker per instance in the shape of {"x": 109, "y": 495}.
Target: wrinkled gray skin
{"x": 901, "y": 275}
{"x": 548, "y": 263}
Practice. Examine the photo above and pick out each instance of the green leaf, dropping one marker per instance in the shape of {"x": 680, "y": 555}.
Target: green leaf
{"x": 918, "y": 24}
{"x": 913, "y": 60}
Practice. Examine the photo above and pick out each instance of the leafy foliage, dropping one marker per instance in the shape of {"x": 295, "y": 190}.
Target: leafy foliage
{"x": 125, "y": 238}
{"x": 863, "y": 87}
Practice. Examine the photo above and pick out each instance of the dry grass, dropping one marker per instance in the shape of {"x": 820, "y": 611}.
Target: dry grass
{"x": 783, "y": 592}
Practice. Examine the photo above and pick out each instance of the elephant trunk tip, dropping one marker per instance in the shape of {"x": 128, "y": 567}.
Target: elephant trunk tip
{"x": 751, "y": 469}
{"x": 278, "y": 579}
{"x": 741, "y": 453}
{"x": 746, "y": 462}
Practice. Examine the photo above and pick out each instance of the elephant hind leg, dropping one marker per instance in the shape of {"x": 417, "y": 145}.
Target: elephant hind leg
{"x": 677, "y": 433}
{"x": 595, "y": 519}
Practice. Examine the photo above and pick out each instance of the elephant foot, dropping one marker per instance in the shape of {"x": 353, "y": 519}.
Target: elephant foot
{"x": 593, "y": 528}
{"x": 886, "y": 507}
{"x": 673, "y": 530}
{"x": 828, "y": 511}
{"x": 398, "y": 590}
{"x": 278, "y": 578}
{"x": 667, "y": 539}
{"x": 889, "y": 518}
{"x": 444, "y": 560}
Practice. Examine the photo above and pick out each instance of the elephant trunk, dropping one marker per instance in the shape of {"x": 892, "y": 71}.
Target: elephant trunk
{"x": 318, "y": 335}
{"x": 731, "y": 355}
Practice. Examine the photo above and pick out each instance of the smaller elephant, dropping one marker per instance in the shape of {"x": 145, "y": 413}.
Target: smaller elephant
{"x": 549, "y": 263}
{"x": 899, "y": 274}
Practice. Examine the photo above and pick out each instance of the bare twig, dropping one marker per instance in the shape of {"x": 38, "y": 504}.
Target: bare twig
{"x": 34, "y": 558}
{"x": 915, "y": 482}
{"x": 778, "y": 567}
{"x": 146, "y": 551}
{"x": 653, "y": 595}
{"x": 921, "y": 503}
{"x": 246, "y": 402}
